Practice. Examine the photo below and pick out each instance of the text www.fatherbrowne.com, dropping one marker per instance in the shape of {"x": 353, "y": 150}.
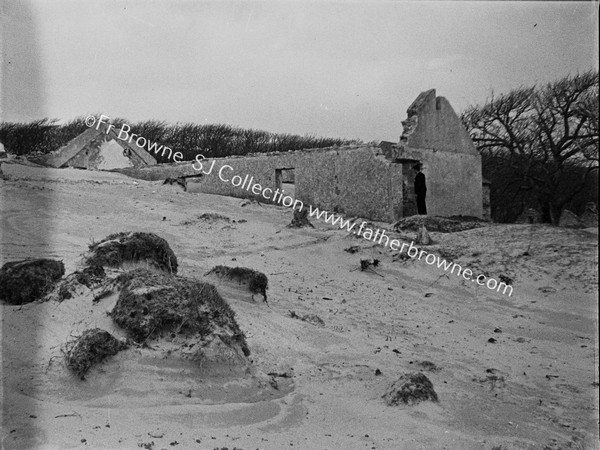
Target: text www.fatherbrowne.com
{"x": 380, "y": 237}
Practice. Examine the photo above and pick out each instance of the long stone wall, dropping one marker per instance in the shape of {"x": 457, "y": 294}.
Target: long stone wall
{"x": 355, "y": 181}
{"x": 352, "y": 181}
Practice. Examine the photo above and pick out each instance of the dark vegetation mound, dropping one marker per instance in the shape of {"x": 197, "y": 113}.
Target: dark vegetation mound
{"x": 29, "y": 280}
{"x": 256, "y": 281}
{"x": 410, "y": 389}
{"x": 118, "y": 248}
{"x": 438, "y": 224}
{"x": 91, "y": 348}
{"x": 300, "y": 219}
{"x": 153, "y": 303}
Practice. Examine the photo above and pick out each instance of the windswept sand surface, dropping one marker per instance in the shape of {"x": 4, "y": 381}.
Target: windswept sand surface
{"x": 536, "y": 387}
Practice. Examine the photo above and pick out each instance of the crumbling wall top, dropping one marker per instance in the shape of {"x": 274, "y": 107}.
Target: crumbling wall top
{"x": 433, "y": 124}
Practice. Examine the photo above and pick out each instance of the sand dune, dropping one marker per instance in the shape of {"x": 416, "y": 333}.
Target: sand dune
{"x": 516, "y": 372}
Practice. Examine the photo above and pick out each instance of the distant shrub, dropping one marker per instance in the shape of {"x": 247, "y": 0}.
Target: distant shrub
{"x": 40, "y": 136}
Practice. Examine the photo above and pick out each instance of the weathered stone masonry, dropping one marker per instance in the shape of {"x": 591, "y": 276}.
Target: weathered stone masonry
{"x": 435, "y": 136}
{"x": 365, "y": 181}
{"x": 357, "y": 181}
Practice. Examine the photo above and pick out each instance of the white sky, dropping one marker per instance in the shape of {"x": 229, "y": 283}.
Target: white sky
{"x": 331, "y": 69}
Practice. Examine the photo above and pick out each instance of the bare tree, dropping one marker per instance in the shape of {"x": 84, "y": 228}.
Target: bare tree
{"x": 542, "y": 141}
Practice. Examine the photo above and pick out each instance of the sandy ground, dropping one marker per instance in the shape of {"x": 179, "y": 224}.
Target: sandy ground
{"x": 536, "y": 387}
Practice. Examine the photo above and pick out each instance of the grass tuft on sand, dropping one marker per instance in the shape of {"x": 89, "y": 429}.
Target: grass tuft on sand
{"x": 119, "y": 248}
{"x": 256, "y": 281}
{"x": 152, "y": 303}
{"x": 91, "y": 348}
{"x": 410, "y": 389}
{"x": 29, "y": 280}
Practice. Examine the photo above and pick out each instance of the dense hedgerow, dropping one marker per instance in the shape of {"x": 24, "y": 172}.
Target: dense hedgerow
{"x": 212, "y": 140}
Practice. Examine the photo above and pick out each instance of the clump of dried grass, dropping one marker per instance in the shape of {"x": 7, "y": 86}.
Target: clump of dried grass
{"x": 256, "y": 281}
{"x": 29, "y": 280}
{"x": 410, "y": 388}
{"x": 152, "y": 303}
{"x": 91, "y": 348}
{"x": 119, "y": 248}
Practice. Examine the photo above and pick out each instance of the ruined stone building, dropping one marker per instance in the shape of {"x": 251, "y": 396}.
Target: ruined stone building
{"x": 374, "y": 182}
{"x": 362, "y": 180}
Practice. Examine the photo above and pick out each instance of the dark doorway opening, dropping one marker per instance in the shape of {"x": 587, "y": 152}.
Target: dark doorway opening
{"x": 409, "y": 198}
{"x": 285, "y": 179}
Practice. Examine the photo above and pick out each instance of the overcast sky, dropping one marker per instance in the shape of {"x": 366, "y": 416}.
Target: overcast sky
{"x": 330, "y": 69}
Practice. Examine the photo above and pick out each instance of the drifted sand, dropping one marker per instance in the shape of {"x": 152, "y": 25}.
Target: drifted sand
{"x": 535, "y": 386}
